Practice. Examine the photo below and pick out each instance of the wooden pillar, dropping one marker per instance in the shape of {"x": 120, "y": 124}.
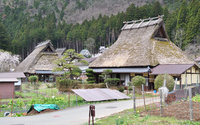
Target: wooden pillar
{"x": 148, "y": 81}
{"x": 180, "y": 82}
{"x": 191, "y": 75}
{"x": 186, "y": 79}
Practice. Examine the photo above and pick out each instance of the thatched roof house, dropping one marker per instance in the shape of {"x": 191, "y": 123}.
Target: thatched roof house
{"x": 142, "y": 44}
{"x": 40, "y": 61}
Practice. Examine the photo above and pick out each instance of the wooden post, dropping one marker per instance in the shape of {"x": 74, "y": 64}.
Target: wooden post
{"x": 191, "y": 77}
{"x": 190, "y": 104}
{"x": 0, "y": 103}
{"x": 180, "y": 82}
{"x": 69, "y": 99}
{"x": 134, "y": 104}
{"x": 186, "y": 80}
{"x": 12, "y": 105}
{"x": 164, "y": 82}
{"x": 89, "y": 117}
{"x": 143, "y": 96}
{"x": 197, "y": 80}
{"x": 161, "y": 105}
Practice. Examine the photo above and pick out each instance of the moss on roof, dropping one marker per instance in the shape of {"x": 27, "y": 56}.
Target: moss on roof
{"x": 137, "y": 47}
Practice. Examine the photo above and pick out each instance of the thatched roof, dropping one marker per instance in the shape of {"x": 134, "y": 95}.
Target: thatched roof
{"x": 142, "y": 43}
{"x": 42, "y": 58}
{"x": 60, "y": 51}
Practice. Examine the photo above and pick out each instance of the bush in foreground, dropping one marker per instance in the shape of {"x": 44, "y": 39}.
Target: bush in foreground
{"x": 137, "y": 81}
{"x": 160, "y": 79}
{"x": 112, "y": 81}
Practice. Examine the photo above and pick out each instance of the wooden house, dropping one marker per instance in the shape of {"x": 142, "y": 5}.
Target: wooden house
{"x": 141, "y": 46}
{"x": 7, "y": 88}
{"x": 18, "y": 75}
{"x": 40, "y": 62}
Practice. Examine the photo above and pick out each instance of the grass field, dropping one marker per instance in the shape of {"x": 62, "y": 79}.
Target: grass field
{"x": 127, "y": 117}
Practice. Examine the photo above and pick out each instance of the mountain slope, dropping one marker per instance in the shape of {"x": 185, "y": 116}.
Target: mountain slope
{"x": 71, "y": 11}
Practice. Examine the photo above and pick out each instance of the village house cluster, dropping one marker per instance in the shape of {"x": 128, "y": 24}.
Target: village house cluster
{"x": 143, "y": 48}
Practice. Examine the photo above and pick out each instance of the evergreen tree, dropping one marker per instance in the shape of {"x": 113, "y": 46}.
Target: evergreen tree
{"x": 157, "y": 9}
{"x": 182, "y": 13}
{"x": 90, "y": 75}
{"x": 4, "y": 38}
{"x": 193, "y": 30}
{"x": 66, "y": 64}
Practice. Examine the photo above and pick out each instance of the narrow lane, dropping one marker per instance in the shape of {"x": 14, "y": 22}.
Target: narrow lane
{"x": 75, "y": 115}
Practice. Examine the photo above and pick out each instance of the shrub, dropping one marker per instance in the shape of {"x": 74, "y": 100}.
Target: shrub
{"x": 196, "y": 98}
{"x": 159, "y": 82}
{"x": 19, "y": 94}
{"x": 137, "y": 81}
{"x": 130, "y": 88}
{"x": 112, "y": 81}
{"x": 90, "y": 75}
{"x": 67, "y": 84}
{"x": 33, "y": 79}
{"x": 63, "y": 84}
{"x": 121, "y": 88}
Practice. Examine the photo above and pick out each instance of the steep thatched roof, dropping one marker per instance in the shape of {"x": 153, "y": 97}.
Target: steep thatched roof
{"x": 142, "y": 43}
{"x": 42, "y": 58}
{"x": 60, "y": 51}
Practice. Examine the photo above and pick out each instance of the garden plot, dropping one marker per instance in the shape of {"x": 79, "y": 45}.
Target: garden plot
{"x": 178, "y": 110}
{"x": 25, "y": 99}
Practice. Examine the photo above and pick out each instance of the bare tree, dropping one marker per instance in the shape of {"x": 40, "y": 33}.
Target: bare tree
{"x": 8, "y": 61}
{"x": 90, "y": 45}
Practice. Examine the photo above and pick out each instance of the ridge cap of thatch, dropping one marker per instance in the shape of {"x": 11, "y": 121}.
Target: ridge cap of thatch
{"x": 144, "y": 20}
{"x": 44, "y": 43}
{"x": 136, "y": 24}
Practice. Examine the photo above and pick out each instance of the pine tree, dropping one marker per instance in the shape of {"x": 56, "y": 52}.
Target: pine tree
{"x": 157, "y": 9}
{"x": 182, "y": 13}
{"x": 4, "y": 38}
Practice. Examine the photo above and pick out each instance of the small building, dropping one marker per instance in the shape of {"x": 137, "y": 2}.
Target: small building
{"x": 18, "y": 75}
{"x": 7, "y": 88}
{"x": 185, "y": 74}
{"x": 141, "y": 46}
{"x": 40, "y": 62}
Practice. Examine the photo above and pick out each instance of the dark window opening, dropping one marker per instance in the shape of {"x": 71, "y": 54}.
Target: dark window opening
{"x": 48, "y": 49}
{"x": 161, "y": 34}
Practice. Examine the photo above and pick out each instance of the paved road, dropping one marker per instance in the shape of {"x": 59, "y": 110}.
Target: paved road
{"x": 74, "y": 116}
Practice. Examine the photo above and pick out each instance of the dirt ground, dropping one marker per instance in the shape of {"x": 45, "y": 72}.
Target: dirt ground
{"x": 34, "y": 112}
{"x": 178, "y": 110}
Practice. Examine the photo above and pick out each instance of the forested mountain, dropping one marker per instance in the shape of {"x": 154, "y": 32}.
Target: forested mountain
{"x": 27, "y": 22}
{"x": 72, "y": 11}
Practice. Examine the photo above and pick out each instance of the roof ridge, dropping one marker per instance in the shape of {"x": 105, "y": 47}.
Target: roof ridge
{"x": 136, "y": 24}
{"x": 43, "y": 43}
{"x": 144, "y": 20}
